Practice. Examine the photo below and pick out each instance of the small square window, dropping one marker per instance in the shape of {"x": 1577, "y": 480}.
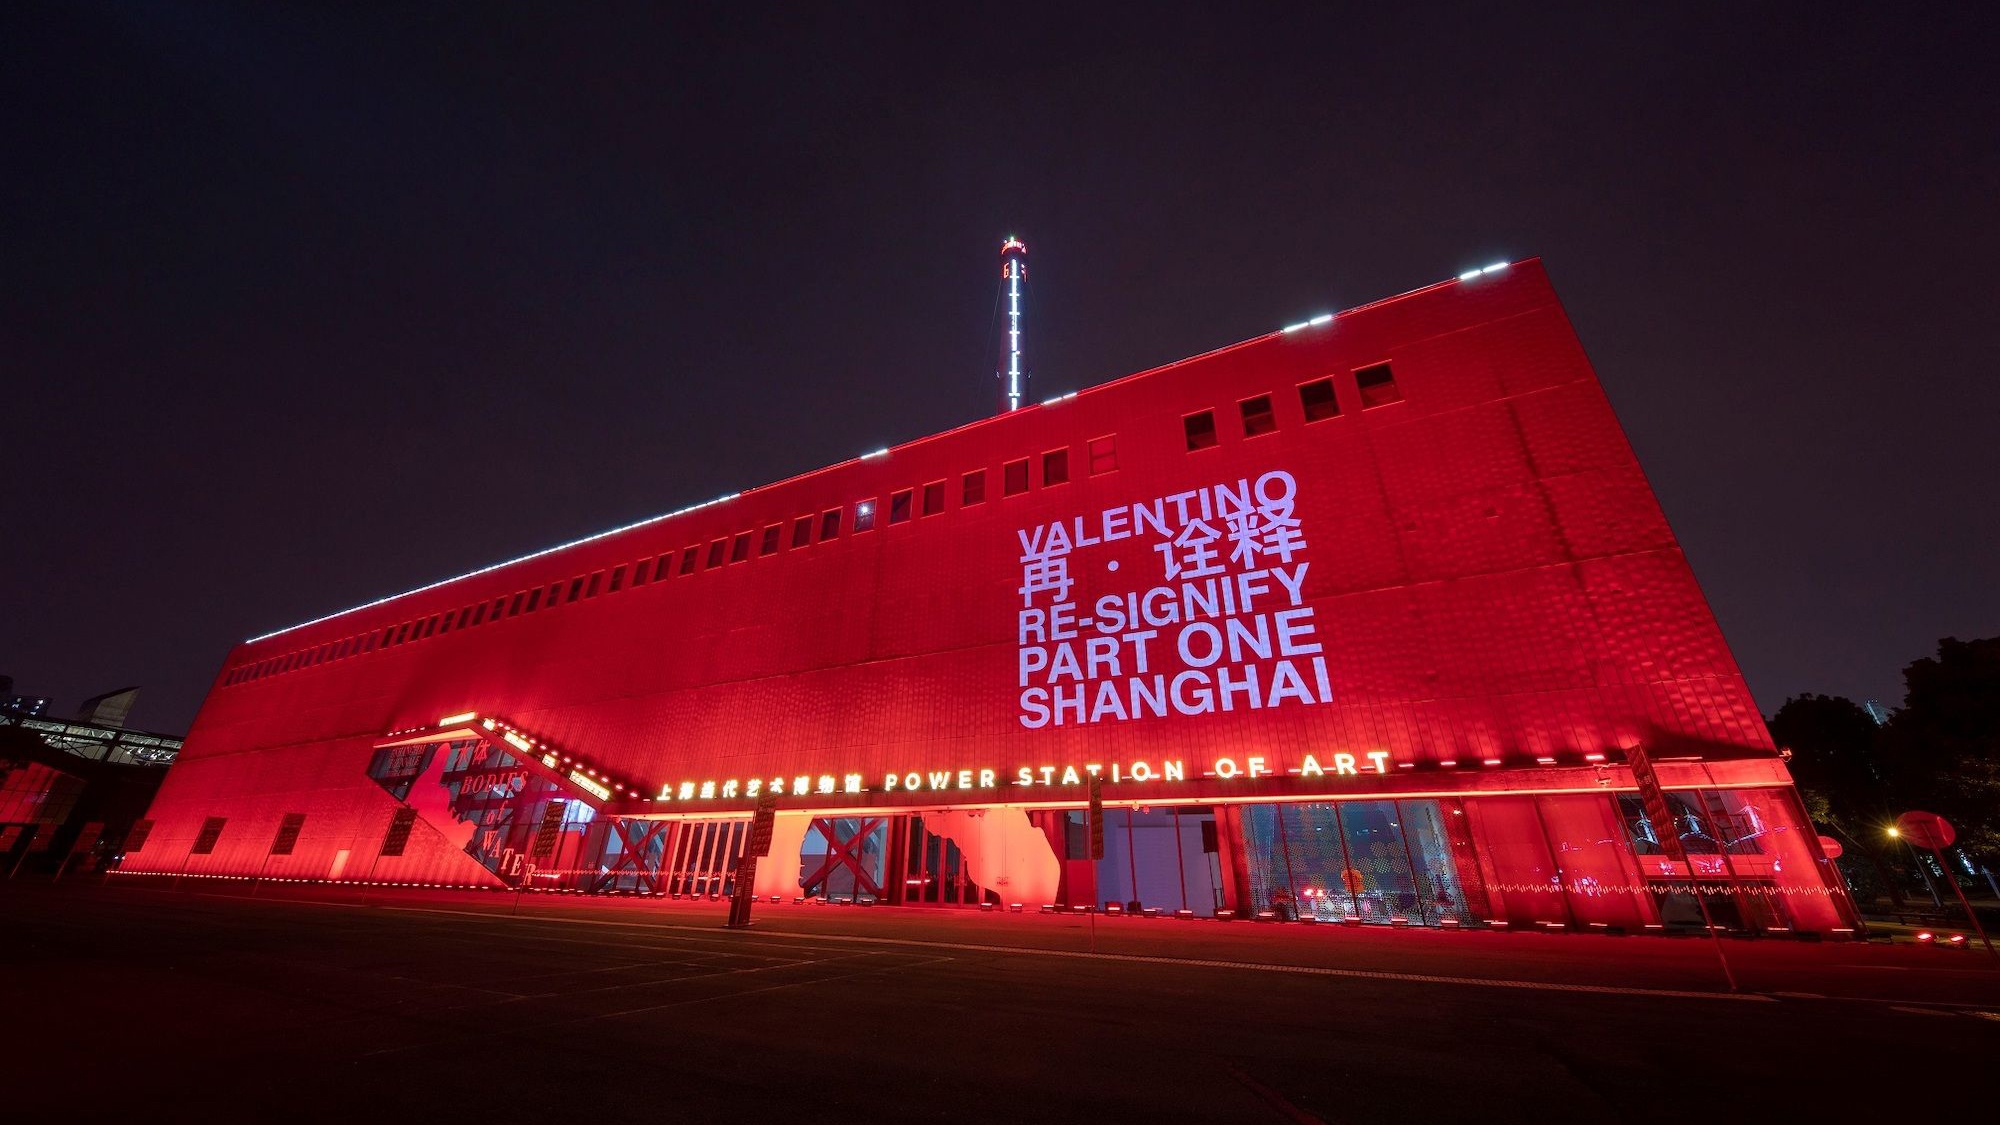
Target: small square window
{"x": 479, "y": 614}
{"x": 739, "y": 548}
{"x": 617, "y": 581}
{"x": 974, "y": 490}
{"x": 1378, "y": 386}
{"x": 430, "y": 625}
{"x": 1103, "y": 454}
{"x": 575, "y": 588}
{"x": 596, "y": 580}
{"x": 802, "y": 532}
{"x": 555, "y": 594}
{"x": 864, "y": 515}
{"x": 534, "y": 600}
{"x": 770, "y": 544}
{"x": 1257, "y": 417}
{"x": 663, "y": 567}
{"x": 899, "y": 506}
{"x": 829, "y": 525}
{"x": 717, "y": 551}
{"x": 640, "y": 570}
{"x": 1055, "y": 467}
{"x": 515, "y": 606}
{"x": 1200, "y": 430}
{"x": 1014, "y": 477}
{"x": 1318, "y": 400}
{"x": 689, "y": 557}
{"x": 934, "y": 498}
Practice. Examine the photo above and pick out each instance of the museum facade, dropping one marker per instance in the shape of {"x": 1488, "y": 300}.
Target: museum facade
{"x": 1362, "y": 621}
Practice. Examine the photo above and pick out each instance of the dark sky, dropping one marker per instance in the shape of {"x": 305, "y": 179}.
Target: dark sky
{"x": 307, "y": 306}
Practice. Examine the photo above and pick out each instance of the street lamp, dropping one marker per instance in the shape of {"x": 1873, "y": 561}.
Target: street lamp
{"x": 1937, "y": 900}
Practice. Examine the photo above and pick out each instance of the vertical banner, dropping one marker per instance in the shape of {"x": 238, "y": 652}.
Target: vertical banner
{"x": 756, "y": 847}
{"x": 1668, "y": 836}
{"x": 549, "y": 831}
{"x": 398, "y": 836}
{"x": 1657, "y": 810}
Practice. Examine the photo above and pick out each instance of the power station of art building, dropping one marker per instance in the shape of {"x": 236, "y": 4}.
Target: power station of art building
{"x": 1374, "y": 619}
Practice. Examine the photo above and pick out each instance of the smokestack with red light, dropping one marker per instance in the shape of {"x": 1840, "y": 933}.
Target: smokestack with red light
{"x": 1013, "y": 275}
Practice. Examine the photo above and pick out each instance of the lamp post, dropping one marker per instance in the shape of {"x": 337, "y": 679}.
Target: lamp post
{"x": 1916, "y": 856}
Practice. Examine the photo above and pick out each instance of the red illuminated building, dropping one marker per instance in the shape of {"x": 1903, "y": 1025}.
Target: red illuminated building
{"x": 1361, "y": 621}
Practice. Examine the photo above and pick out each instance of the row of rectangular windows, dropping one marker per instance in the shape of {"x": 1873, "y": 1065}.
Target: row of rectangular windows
{"x": 908, "y": 503}
{"x": 1376, "y": 384}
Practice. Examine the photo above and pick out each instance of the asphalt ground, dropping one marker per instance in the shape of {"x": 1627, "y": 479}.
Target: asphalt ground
{"x": 144, "y": 1001}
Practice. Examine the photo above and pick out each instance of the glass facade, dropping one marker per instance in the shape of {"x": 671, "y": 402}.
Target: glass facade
{"x": 1387, "y": 862}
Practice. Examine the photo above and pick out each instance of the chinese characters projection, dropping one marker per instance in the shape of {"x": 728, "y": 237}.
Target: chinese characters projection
{"x": 1216, "y": 622}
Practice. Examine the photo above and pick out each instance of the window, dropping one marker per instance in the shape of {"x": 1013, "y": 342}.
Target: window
{"x": 534, "y": 600}
{"x": 739, "y": 548}
{"x": 555, "y": 595}
{"x": 596, "y": 580}
{"x": 430, "y": 624}
{"x": 1378, "y": 386}
{"x": 716, "y": 551}
{"x": 864, "y": 515}
{"x": 1103, "y": 454}
{"x": 899, "y": 507}
{"x": 575, "y": 588}
{"x": 663, "y": 567}
{"x": 402, "y": 633}
{"x": 1317, "y": 398}
{"x": 1055, "y": 467}
{"x": 1014, "y": 477}
{"x": 829, "y": 525}
{"x": 515, "y": 607}
{"x": 1200, "y": 430}
{"x": 770, "y": 543}
{"x": 1257, "y": 417}
{"x": 639, "y": 570}
{"x": 688, "y": 558}
{"x": 934, "y": 498}
{"x": 211, "y": 831}
{"x": 479, "y": 614}
{"x": 802, "y": 532}
{"x": 617, "y": 581}
{"x": 974, "y": 491}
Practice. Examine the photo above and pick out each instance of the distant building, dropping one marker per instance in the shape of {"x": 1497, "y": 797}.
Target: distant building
{"x": 25, "y": 704}
{"x": 20, "y": 704}
{"x": 73, "y": 785}
{"x": 109, "y": 709}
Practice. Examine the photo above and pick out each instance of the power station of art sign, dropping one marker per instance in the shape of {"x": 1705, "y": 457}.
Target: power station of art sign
{"x": 1215, "y": 622}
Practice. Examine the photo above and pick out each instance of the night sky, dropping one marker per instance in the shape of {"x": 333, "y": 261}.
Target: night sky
{"x": 304, "y": 307}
